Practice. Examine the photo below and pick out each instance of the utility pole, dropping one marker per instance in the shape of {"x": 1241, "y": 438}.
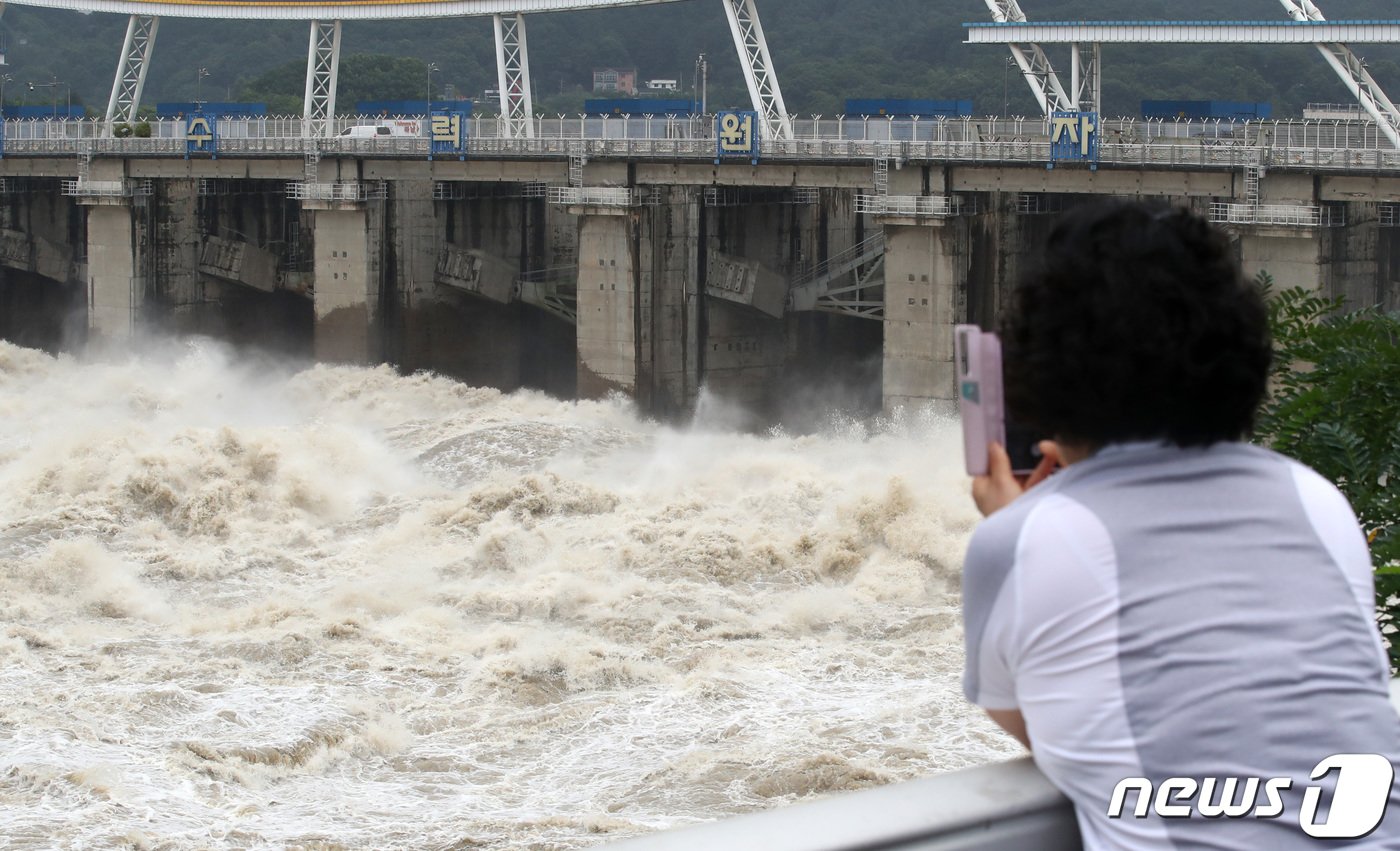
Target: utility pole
{"x": 432, "y": 68}
{"x": 1006, "y": 86}
{"x": 53, "y": 85}
{"x": 702, "y": 73}
{"x": 199, "y": 76}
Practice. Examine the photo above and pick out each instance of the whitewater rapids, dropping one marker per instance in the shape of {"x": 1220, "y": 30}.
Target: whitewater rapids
{"x": 246, "y": 607}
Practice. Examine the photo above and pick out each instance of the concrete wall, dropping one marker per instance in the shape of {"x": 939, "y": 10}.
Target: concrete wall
{"x": 1292, "y": 257}
{"x": 669, "y": 278}
{"x": 114, "y": 292}
{"x": 43, "y": 286}
{"x": 1361, "y": 261}
{"x": 347, "y": 267}
{"x": 925, "y": 297}
{"x": 1388, "y": 268}
{"x": 609, "y": 304}
{"x": 1349, "y": 258}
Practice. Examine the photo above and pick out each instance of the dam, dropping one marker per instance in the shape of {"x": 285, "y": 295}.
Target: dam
{"x": 630, "y": 255}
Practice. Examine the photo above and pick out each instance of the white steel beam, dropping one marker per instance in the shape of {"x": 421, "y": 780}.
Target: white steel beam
{"x": 322, "y": 73}
{"x": 131, "y": 69}
{"x": 1177, "y": 32}
{"x": 759, "y": 73}
{"x": 1088, "y": 81}
{"x": 1034, "y": 64}
{"x": 1352, "y": 69}
{"x": 345, "y": 10}
{"x": 513, "y": 77}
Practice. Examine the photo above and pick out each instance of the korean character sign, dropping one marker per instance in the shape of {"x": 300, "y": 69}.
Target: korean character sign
{"x": 201, "y": 135}
{"x": 1074, "y": 137}
{"x": 737, "y": 135}
{"x": 448, "y": 131}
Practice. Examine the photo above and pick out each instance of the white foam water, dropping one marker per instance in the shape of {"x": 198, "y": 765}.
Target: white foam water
{"x": 245, "y": 607}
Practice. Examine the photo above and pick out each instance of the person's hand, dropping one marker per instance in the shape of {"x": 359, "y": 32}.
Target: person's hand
{"x": 1000, "y": 487}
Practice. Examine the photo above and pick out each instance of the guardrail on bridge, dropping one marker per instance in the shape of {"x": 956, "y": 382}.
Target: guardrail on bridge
{"x": 1304, "y": 145}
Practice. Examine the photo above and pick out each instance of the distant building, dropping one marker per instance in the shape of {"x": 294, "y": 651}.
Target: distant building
{"x": 663, "y": 85}
{"x": 620, "y": 80}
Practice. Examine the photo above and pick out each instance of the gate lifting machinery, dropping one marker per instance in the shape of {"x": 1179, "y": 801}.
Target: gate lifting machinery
{"x": 1084, "y": 93}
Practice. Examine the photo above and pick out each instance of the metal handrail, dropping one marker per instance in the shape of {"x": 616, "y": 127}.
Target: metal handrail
{"x": 987, "y": 808}
{"x": 1306, "y": 131}
{"x": 1293, "y": 215}
{"x": 549, "y": 273}
{"x": 1311, "y": 145}
{"x": 921, "y": 206}
{"x": 1008, "y": 805}
{"x": 593, "y": 196}
{"x": 843, "y": 261}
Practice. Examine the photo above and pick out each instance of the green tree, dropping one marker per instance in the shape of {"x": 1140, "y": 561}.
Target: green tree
{"x": 1335, "y": 407}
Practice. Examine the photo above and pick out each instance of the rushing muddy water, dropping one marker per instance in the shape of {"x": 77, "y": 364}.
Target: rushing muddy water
{"x": 242, "y": 607}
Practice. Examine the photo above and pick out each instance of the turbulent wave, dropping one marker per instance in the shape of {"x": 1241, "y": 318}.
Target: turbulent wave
{"x": 243, "y": 606}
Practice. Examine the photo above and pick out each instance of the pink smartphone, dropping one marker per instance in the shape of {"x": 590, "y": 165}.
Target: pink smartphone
{"x": 982, "y": 405}
{"x": 977, "y": 357}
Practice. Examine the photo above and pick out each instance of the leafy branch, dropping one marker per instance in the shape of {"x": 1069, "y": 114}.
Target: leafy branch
{"x": 1334, "y": 406}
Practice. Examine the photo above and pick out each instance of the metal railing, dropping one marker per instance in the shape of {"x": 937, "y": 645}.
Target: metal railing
{"x": 1307, "y": 145}
{"x": 122, "y": 188}
{"x": 1286, "y": 215}
{"x": 843, "y": 261}
{"x": 1008, "y": 805}
{"x": 919, "y": 206}
{"x": 349, "y": 191}
{"x": 989, "y": 808}
{"x": 593, "y": 196}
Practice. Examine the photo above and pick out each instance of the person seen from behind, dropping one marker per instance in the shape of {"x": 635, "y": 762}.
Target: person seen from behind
{"x": 1175, "y": 608}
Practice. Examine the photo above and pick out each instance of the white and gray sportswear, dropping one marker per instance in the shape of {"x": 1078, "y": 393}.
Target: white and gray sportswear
{"x": 1159, "y": 612}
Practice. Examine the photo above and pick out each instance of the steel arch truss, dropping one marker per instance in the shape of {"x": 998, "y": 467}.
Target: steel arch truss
{"x": 131, "y": 68}
{"x": 513, "y": 77}
{"x": 322, "y": 71}
{"x": 1352, "y": 69}
{"x": 759, "y": 73}
{"x": 1087, "y": 81}
{"x": 1034, "y": 64}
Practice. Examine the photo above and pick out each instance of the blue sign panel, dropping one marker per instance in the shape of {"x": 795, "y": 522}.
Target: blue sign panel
{"x": 737, "y": 135}
{"x": 201, "y": 135}
{"x": 448, "y": 131}
{"x": 1074, "y": 137}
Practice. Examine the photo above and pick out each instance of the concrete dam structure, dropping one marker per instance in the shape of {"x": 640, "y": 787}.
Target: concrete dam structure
{"x": 586, "y": 267}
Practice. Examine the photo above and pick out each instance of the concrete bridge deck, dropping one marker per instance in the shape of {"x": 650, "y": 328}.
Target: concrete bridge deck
{"x": 1327, "y": 146}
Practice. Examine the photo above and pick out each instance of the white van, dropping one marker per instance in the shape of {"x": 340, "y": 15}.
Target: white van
{"x": 381, "y": 131}
{"x": 366, "y": 131}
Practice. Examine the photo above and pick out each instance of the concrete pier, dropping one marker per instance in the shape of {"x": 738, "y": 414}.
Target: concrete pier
{"x": 612, "y": 310}
{"x": 347, "y": 285}
{"x": 669, "y": 278}
{"x": 115, "y": 293}
{"x": 925, "y": 297}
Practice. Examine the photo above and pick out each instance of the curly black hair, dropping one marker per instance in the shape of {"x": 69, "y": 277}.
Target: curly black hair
{"x": 1137, "y": 324}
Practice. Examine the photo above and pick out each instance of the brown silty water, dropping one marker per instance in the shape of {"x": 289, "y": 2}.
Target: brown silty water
{"x": 342, "y": 608}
